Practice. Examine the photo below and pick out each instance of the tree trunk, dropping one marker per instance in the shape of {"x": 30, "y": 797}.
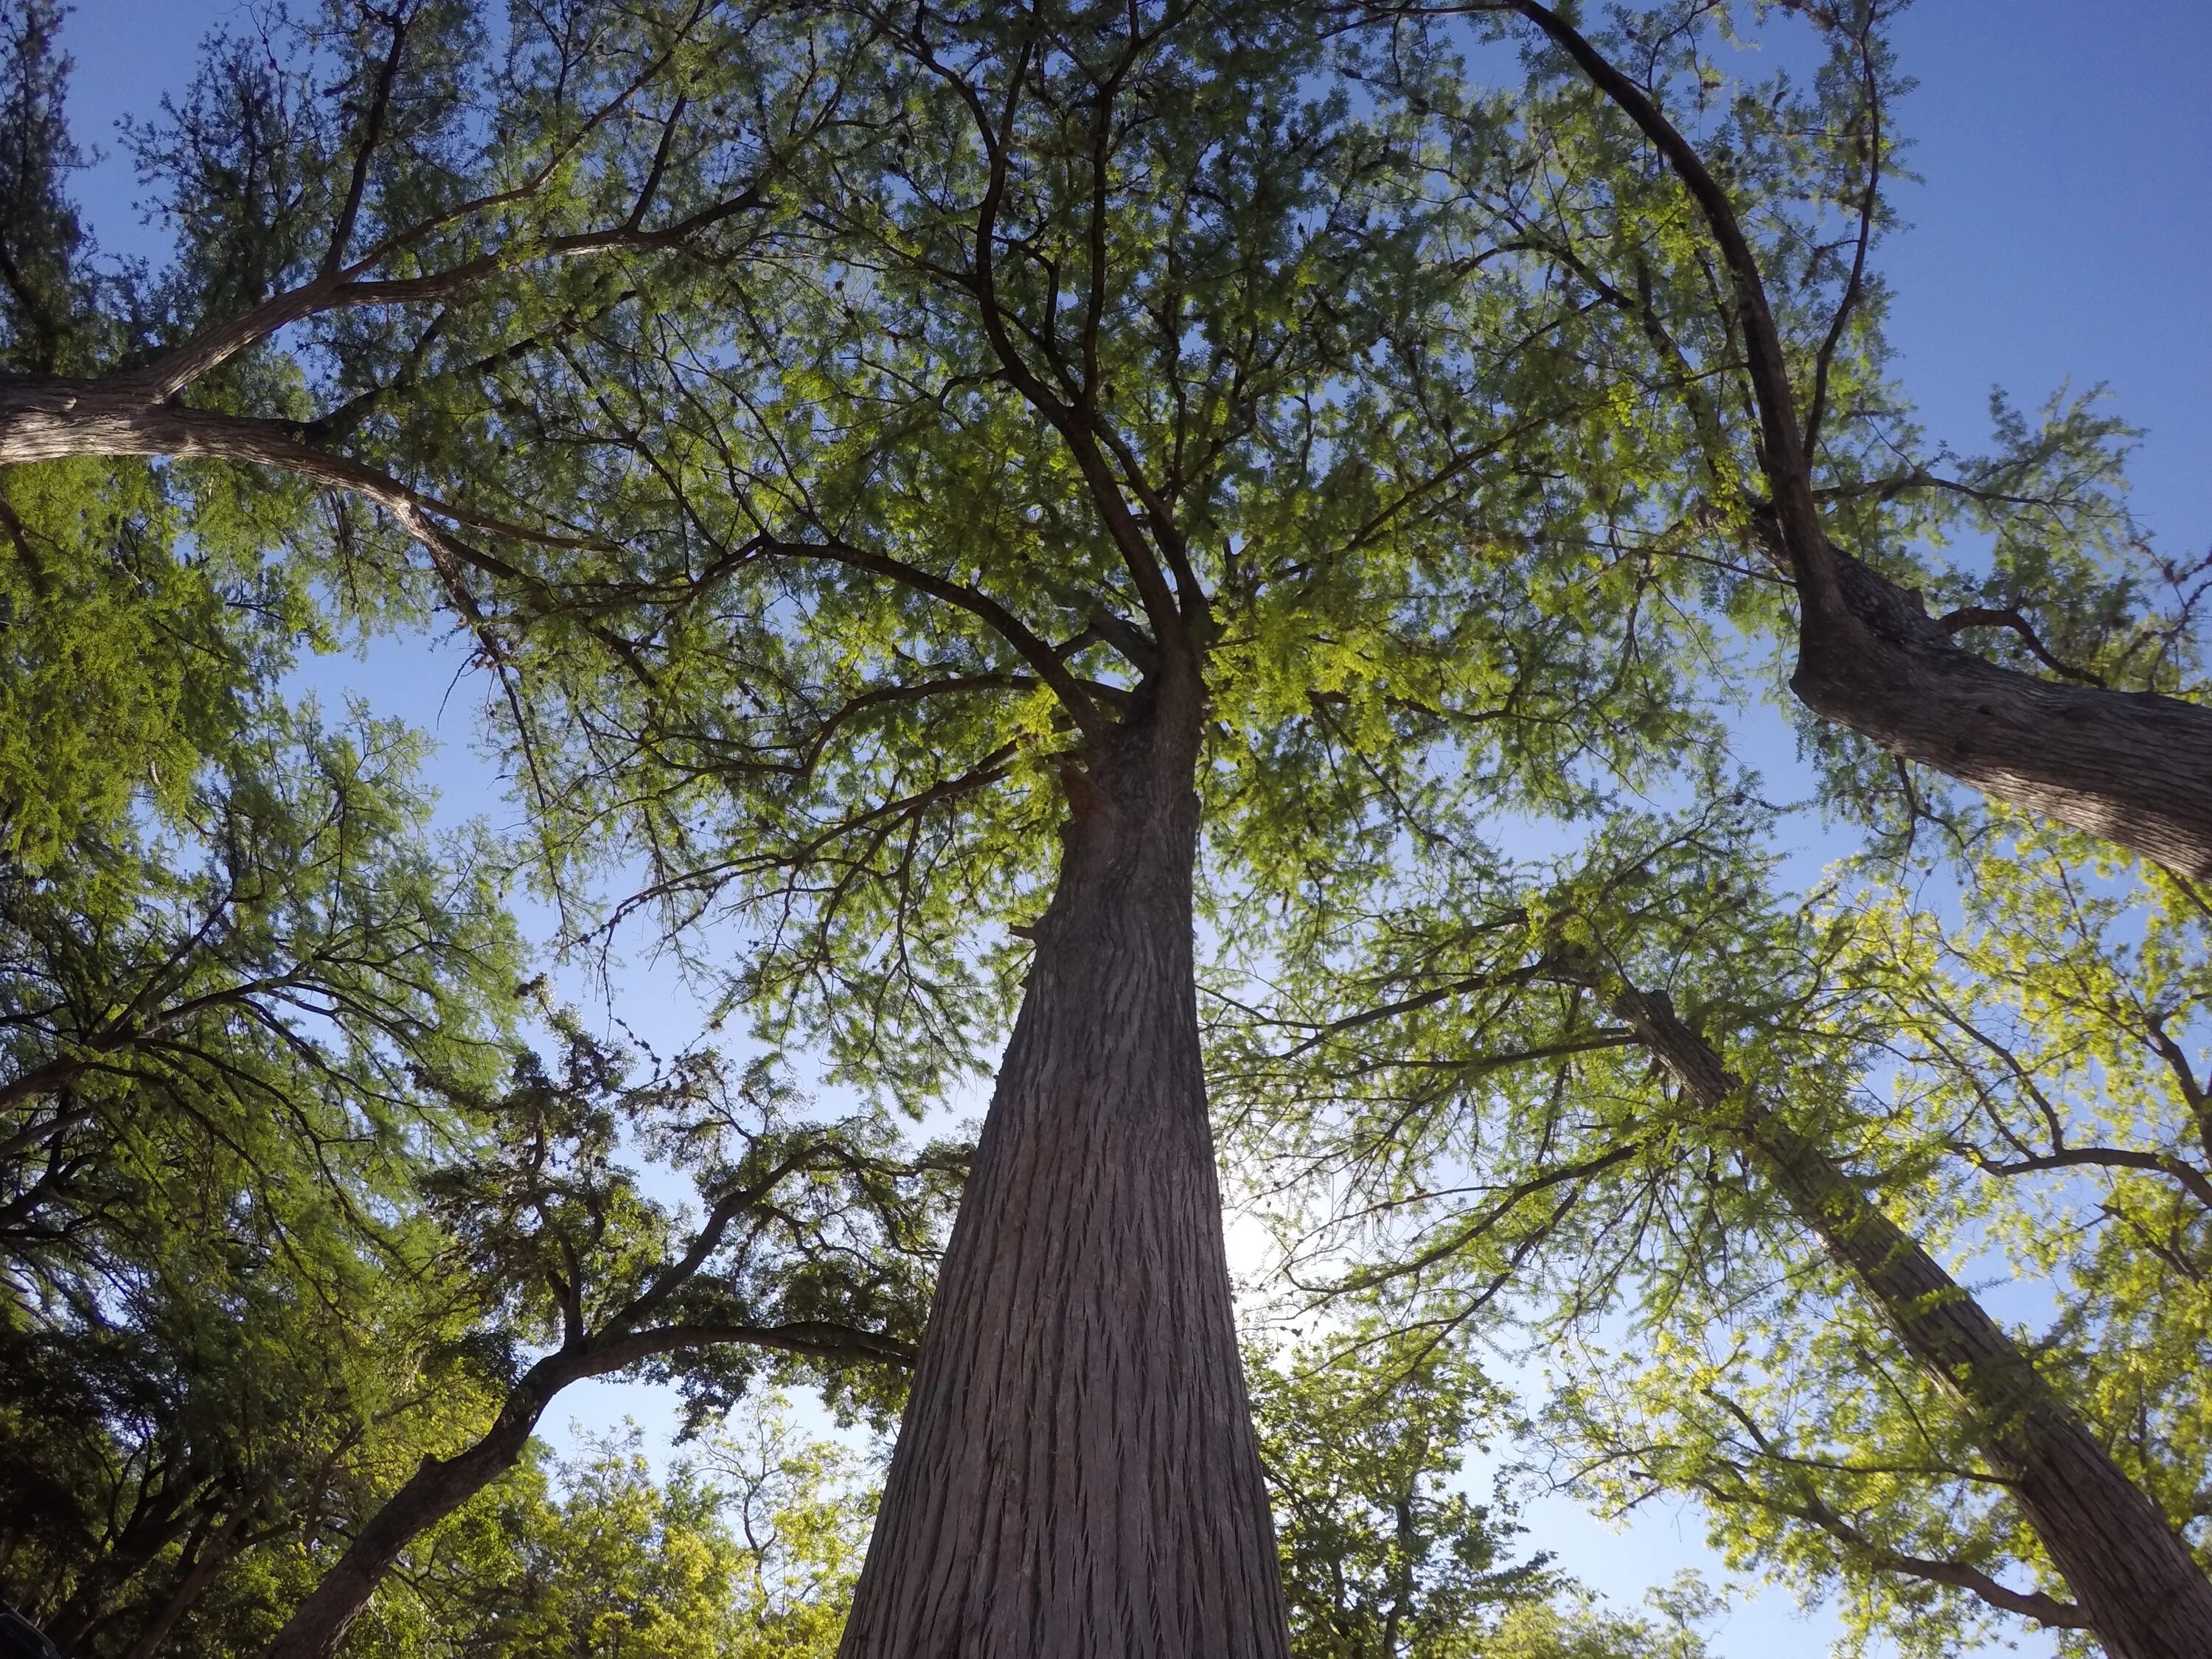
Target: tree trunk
{"x": 2143, "y": 1592}
{"x": 441, "y": 1485}
{"x": 206, "y": 1567}
{"x": 2130, "y": 766}
{"x": 433, "y": 1492}
{"x": 1077, "y": 1476}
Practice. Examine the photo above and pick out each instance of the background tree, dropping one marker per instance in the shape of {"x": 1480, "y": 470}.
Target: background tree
{"x": 217, "y": 1013}
{"x": 1733, "y": 284}
{"x": 257, "y": 983}
{"x": 748, "y": 1546}
{"x": 811, "y": 1241}
{"x": 1362, "y": 1434}
{"x": 1915, "y": 1436}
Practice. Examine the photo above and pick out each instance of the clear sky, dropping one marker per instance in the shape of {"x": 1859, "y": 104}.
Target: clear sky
{"x": 2063, "y": 232}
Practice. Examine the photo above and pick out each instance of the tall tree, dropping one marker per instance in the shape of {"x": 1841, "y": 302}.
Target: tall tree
{"x": 2139, "y": 1586}
{"x": 1734, "y": 284}
{"x": 2126, "y": 766}
{"x": 1085, "y": 492}
{"x": 1482, "y": 1159}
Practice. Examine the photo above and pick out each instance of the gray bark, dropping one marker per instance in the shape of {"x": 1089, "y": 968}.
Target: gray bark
{"x": 2128, "y": 767}
{"x": 1077, "y": 1477}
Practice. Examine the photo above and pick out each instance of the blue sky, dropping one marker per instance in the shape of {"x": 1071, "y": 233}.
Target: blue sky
{"x": 2062, "y": 233}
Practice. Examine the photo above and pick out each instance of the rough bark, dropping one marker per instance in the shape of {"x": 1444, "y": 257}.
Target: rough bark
{"x": 2142, "y": 1591}
{"x": 1077, "y": 1476}
{"x": 2131, "y": 768}
{"x": 47, "y": 419}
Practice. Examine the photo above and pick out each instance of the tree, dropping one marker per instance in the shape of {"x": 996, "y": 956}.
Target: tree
{"x": 1361, "y": 1434}
{"x": 253, "y": 1031}
{"x": 1544, "y": 1630}
{"x": 812, "y": 1242}
{"x": 1481, "y": 1044}
{"x": 2051, "y": 1042}
{"x": 216, "y": 1011}
{"x": 298, "y": 210}
{"x": 1002, "y": 456}
{"x": 266, "y": 1011}
{"x": 242, "y": 1384}
{"x": 747, "y": 1548}
{"x": 1087, "y": 487}
{"x": 2140, "y": 1588}
{"x": 2130, "y": 766}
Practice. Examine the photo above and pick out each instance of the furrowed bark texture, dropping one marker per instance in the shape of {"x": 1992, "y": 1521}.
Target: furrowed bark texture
{"x": 1077, "y": 1476}
{"x": 55, "y": 420}
{"x": 2130, "y": 766}
{"x": 2142, "y": 1592}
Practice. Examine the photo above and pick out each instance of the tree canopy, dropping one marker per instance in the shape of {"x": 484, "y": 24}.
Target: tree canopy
{"x": 1204, "y": 563}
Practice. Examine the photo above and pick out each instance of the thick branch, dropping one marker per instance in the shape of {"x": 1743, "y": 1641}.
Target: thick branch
{"x": 441, "y": 1485}
{"x": 2132, "y": 768}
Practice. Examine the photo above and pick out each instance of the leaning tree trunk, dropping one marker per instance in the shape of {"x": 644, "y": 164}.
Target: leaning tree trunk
{"x": 2142, "y": 1591}
{"x": 435, "y": 1491}
{"x": 1077, "y": 1476}
{"x": 2130, "y": 767}
{"x": 441, "y": 1484}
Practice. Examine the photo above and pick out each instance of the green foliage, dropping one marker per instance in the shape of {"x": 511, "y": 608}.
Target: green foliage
{"x": 1549, "y": 1629}
{"x": 249, "y": 1002}
{"x": 43, "y": 297}
{"x": 825, "y": 421}
{"x": 571, "y": 1247}
{"x": 124, "y": 669}
{"x": 221, "y": 1305}
{"x": 1363, "y": 1437}
{"x": 747, "y": 1551}
{"x": 888, "y": 530}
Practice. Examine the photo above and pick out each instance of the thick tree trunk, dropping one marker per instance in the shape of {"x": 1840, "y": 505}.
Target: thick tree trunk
{"x": 2142, "y": 1592}
{"x": 2130, "y": 766}
{"x": 1077, "y": 1476}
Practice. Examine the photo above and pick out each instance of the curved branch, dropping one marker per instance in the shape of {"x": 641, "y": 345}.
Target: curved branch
{"x": 1033, "y": 650}
{"x": 1790, "y": 474}
{"x": 1982, "y": 615}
